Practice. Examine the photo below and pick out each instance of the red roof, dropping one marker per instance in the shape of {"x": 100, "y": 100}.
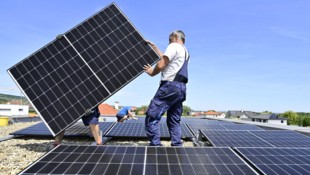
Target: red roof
{"x": 212, "y": 113}
{"x": 106, "y": 109}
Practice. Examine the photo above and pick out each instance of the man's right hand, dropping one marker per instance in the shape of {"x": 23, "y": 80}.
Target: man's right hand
{"x": 88, "y": 112}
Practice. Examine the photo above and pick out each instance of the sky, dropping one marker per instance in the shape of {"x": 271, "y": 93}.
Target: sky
{"x": 245, "y": 55}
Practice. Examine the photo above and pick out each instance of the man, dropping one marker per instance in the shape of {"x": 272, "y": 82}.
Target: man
{"x": 90, "y": 118}
{"x": 126, "y": 113}
{"x": 172, "y": 90}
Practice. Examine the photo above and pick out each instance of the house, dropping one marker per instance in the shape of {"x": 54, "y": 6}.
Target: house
{"x": 240, "y": 114}
{"x": 210, "y": 113}
{"x": 256, "y": 117}
{"x": 268, "y": 118}
{"x": 214, "y": 114}
{"x": 14, "y": 110}
{"x": 107, "y": 110}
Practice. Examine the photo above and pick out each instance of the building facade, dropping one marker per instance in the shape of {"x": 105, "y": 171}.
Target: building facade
{"x": 14, "y": 110}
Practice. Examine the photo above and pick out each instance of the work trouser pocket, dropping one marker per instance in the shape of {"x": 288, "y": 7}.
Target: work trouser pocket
{"x": 156, "y": 109}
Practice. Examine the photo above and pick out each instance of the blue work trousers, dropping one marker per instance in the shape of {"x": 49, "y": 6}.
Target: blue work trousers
{"x": 168, "y": 98}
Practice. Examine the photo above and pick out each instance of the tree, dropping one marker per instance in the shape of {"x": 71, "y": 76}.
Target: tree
{"x": 291, "y": 116}
{"x": 306, "y": 122}
{"x": 266, "y": 112}
{"x": 186, "y": 111}
{"x": 141, "y": 110}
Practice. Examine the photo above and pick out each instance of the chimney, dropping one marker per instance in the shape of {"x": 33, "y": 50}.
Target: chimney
{"x": 116, "y": 106}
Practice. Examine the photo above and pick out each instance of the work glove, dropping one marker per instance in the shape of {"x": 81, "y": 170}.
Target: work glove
{"x": 88, "y": 112}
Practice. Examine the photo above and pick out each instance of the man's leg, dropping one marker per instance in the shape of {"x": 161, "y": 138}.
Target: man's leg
{"x": 152, "y": 130}
{"x": 58, "y": 138}
{"x": 123, "y": 119}
{"x": 95, "y": 130}
{"x": 173, "y": 123}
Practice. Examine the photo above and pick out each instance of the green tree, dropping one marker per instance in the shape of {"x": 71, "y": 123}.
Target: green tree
{"x": 141, "y": 109}
{"x": 306, "y": 122}
{"x": 300, "y": 120}
{"x": 266, "y": 112}
{"x": 291, "y": 116}
{"x": 186, "y": 111}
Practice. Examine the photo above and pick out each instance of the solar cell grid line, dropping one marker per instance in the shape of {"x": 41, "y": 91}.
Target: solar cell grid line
{"x": 127, "y": 130}
{"x": 135, "y": 160}
{"x": 195, "y": 127}
{"x": 78, "y": 129}
{"x": 185, "y": 160}
{"x": 83, "y": 67}
{"x": 283, "y": 138}
{"x": 68, "y": 159}
{"x": 218, "y": 122}
{"x": 242, "y": 127}
{"x": 278, "y": 161}
{"x": 138, "y": 130}
{"x": 234, "y": 139}
{"x": 192, "y": 120}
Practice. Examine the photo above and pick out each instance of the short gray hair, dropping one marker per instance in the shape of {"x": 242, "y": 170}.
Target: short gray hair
{"x": 179, "y": 33}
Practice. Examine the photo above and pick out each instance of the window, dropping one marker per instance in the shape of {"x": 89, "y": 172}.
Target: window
{"x": 20, "y": 110}
{"x": 281, "y": 121}
{"x": 5, "y": 109}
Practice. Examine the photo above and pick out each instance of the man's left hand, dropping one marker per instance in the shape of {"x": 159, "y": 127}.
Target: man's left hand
{"x": 148, "y": 69}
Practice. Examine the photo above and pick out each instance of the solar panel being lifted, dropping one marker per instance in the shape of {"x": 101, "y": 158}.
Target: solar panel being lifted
{"x": 83, "y": 67}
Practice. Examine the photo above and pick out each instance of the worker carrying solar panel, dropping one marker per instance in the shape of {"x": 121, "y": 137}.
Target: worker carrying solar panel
{"x": 91, "y": 119}
{"x": 172, "y": 90}
{"x": 127, "y": 112}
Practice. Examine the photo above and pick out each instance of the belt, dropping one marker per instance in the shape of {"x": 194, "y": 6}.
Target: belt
{"x": 164, "y": 82}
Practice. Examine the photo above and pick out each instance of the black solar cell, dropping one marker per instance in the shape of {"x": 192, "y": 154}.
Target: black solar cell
{"x": 83, "y": 67}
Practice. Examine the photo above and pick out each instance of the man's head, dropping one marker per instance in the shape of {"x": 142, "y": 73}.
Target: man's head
{"x": 133, "y": 109}
{"x": 177, "y": 36}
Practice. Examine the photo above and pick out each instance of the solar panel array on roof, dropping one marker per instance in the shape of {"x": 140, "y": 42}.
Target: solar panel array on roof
{"x": 127, "y": 160}
{"x": 279, "y": 161}
{"x": 284, "y": 138}
{"x": 78, "y": 129}
{"x": 138, "y": 130}
{"x": 242, "y": 127}
{"x": 234, "y": 139}
{"x": 257, "y": 138}
{"x": 83, "y": 67}
{"x": 195, "y": 127}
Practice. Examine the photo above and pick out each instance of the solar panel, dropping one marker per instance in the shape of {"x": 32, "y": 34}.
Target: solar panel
{"x": 78, "y": 129}
{"x": 234, "y": 139}
{"x": 192, "y": 120}
{"x": 278, "y": 160}
{"x": 242, "y": 127}
{"x": 139, "y": 120}
{"x": 83, "y": 67}
{"x": 128, "y": 130}
{"x": 138, "y": 130}
{"x": 195, "y": 127}
{"x": 219, "y": 122}
{"x": 127, "y": 160}
{"x": 283, "y": 138}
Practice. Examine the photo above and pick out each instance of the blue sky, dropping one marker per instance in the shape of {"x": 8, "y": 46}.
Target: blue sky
{"x": 245, "y": 55}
